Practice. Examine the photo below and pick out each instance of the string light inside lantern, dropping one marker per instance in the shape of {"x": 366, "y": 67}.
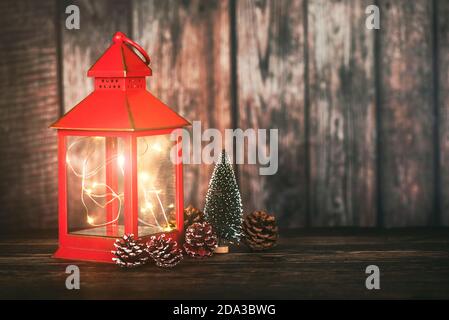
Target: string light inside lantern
{"x": 101, "y": 194}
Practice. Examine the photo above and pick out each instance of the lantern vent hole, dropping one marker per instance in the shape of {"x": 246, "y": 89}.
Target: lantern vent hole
{"x": 138, "y": 83}
{"x": 109, "y": 83}
{"x": 119, "y": 83}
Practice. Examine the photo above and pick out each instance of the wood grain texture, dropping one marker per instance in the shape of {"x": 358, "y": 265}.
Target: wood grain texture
{"x": 305, "y": 265}
{"x": 443, "y": 105}
{"x": 28, "y": 105}
{"x": 407, "y": 117}
{"x": 342, "y": 114}
{"x": 99, "y": 20}
{"x": 270, "y": 72}
{"x": 191, "y": 44}
{"x": 188, "y": 42}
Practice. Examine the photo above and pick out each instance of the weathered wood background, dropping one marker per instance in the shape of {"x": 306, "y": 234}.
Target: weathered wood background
{"x": 363, "y": 115}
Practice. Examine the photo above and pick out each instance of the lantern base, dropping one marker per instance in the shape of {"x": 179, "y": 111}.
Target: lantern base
{"x": 83, "y": 255}
{"x": 96, "y": 249}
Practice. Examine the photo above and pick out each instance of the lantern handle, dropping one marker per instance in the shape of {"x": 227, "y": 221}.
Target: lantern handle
{"x": 121, "y": 37}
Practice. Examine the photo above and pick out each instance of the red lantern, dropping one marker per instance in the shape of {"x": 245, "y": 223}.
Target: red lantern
{"x": 119, "y": 168}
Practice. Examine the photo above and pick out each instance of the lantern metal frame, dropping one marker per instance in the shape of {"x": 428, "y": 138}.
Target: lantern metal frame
{"x": 134, "y": 113}
{"x": 98, "y": 248}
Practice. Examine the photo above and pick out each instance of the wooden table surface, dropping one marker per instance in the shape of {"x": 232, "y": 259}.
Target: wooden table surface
{"x": 414, "y": 263}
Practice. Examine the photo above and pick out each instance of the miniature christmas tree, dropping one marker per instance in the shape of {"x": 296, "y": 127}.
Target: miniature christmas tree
{"x": 223, "y": 209}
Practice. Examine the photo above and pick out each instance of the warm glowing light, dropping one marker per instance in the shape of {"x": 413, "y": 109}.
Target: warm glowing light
{"x": 121, "y": 160}
{"x": 149, "y": 205}
{"x": 144, "y": 176}
{"x": 171, "y": 205}
{"x": 89, "y": 189}
{"x": 156, "y": 147}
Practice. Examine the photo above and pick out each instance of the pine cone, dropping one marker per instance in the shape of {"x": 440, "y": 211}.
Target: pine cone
{"x": 201, "y": 241}
{"x": 164, "y": 251}
{"x": 129, "y": 252}
{"x": 260, "y": 230}
{"x": 191, "y": 216}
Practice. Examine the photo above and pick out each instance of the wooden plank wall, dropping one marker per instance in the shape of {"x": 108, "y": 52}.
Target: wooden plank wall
{"x": 406, "y": 130}
{"x": 362, "y": 114}
{"x": 442, "y": 75}
{"x": 29, "y": 102}
{"x": 270, "y": 75}
{"x": 342, "y": 114}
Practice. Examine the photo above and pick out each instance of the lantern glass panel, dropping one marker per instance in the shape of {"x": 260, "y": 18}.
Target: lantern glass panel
{"x": 95, "y": 177}
{"x": 156, "y": 185}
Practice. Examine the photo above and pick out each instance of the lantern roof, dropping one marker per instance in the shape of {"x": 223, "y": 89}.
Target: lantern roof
{"x": 119, "y": 60}
{"x": 120, "y": 101}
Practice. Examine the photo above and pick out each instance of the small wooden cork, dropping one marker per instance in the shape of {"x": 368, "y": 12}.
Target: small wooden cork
{"x": 222, "y": 249}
